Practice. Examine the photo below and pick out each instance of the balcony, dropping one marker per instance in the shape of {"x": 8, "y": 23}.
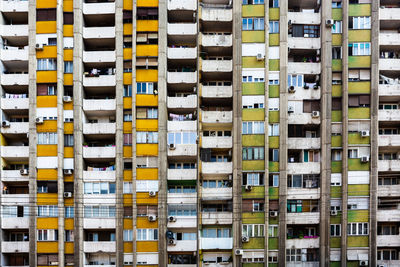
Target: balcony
{"x": 182, "y": 102}
{"x": 221, "y": 40}
{"x": 104, "y": 223}
{"x": 100, "y": 81}
{"x": 99, "y": 106}
{"x": 16, "y": 128}
{"x": 389, "y": 89}
{"x": 15, "y": 199}
{"x": 216, "y": 218}
{"x": 303, "y": 193}
{"x": 15, "y": 223}
{"x": 99, "y": 175}
{"x": 98, "y": 32}
{"x": 388, "y": 215}
{"x": 388, "y": 190}
{"x": 14, "y": 103}
{"x": 98, "y": 56}
{"x": 11, "y": 153}
{"x": 304, "y": 18}
{"x": 304, "y": 143}
{"x": 14, "y": 6}
{"x": 98, "y": 8}
{"x": 303, "y": 243}
{"x": 99, "y": 128}
{"x": 13, "y": 176}
{"x": 216, "y": 65}
{"x": 388, "y": 165}
{"x": 216, "y": 91}
{"x": 216, "y": 117}
{"x": 93, "y": 199}
{"x": 388, "y": 263}
{"x": 182, "y": 28}
{"x": 14, "y": 54}
{"x": 389, "y": 14}
{"x": 14, "y": 247}
{"x": 99, "y": 152}
{"x": 182, "y": 52}
{"x": 389, "y": 115}
{"x": 99, "y": 246}
{"x": 183, "y": 222}
{"x": 392, "y": 64}
{"x": 216, "y": 142}
{"x": 304, "y": 167}
{"x": 182, "y": 265}
{"x": 182, "y": 5}
{"x": 183, "y": 150}
{"x": 213, "y": 168}
{"x": 221, "y": 264}
{"x": 182, "y": 77}
{"x": 389, "y": 140}
{"x": 182, "y": 198}
{"x": 216, "y": 193}
{"x": 388, "y": 241}
{"x": 21, "y": 79}
{"x": 304, "y": 43}
{"x": 304, "y": 68}
{"x": 302, "y": 217}
{"x": 389, "y": 38}
{"x": 216, "y": 14}
{"x": 182, "y": 125}
{"x": 181, "y": 174}
{"x": 183, "y": 245}
{"x": 14, "y": 30}
{"x": 303, "y": 118}
{"x": 216, "y": 243}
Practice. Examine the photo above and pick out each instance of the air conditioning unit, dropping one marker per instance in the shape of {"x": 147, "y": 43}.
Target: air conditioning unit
{"x": 364, "y": 159}
{"x": 381, "y": 265}
{"x": 152, "y": 218}
{"x": 171, "y": 242}
{"x": 155, "y": 92}
{"x": 329, "y": 22}
{"x": 333, "y": 212}
{"x": 5, "y": 124}
{"x": 315, "y": 114}
{"x": 245, "y": 239}
{"x": 247, "y": 187}
{"x": 291, "y": 89}
{"x": 238, "y": 252}
{"x": 172, "y": 219}
{"x": 152, "y": 193}
{"x": 24, "y": 171}
{"x": 364, "y": 133}
{"x": 363, "y": 263}
{"x": 67, "y": 194}
{"x": 290, "y": 109}
{"x": 171, "y": 146}
{"x": 273, "y": 213}
{"x": 67, "y": 98}
{"x": 67, "y": 171}
{"x": 39, "y": 120}
{"x": 260, "y": 57}
{"x": 39, "y": 46}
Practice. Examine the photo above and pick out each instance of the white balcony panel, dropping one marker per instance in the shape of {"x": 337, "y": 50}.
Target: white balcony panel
{"x": 386, "y": 215}
{"x": 216, "y": 243}
{"x": 388, "y": 263}
{"x": 182, "y": 77}
{"x": 15, "y": 152}
{"x": 16, "y": 128}
{"x": 389, "y": 38}
{"x": 216, "y": 168}
{"x": 304, "y": 43}
{"x": 14, "y": 30}
{"x": 102, "y": 265}
{"x": 15, "y": 199}
{"x": 182, "y": 265}
{"x": 183, "y": 150}
{"x": 104, "y": 223}
{"x": 99, "y": 246}
{"x": 216, "y": 142}
{"x": 98, "y": 32}
{"x": 304, "y": 167}
{"x": 216, "y": 193}
{"x": 15, "y": 79}
{"x": 15, "y": 223}
{"x": 388, "y": 190}
{"x": 303, "y": 264}
{"x": 301, "y": 94}
{"x": 304, "y": 18}
{"x": 303, "y": 118}
{"x": 182, "y": 28}
{"x": 303, "y": 193}
{"x": 304, "y": 143}
{"x": 389, "y": 64}
{"x": 98, "y": 8}
{"x": 216, "y": 91}
{"x": 302, "y": 217}
{"x": 183, "y": 222}
{"x": 106, "y": 199}
{"x": 389, "y": 89}
{"x": 183, "y": 245}
{"x": 14, "y": 103}
{"x": 182, "y": 102}
{"x": 14, "y": 247}
{"x": 13, "y": 176}
{"x": 98, "y": 56}
{"x": 221, "y": 264}
{"x": 304, "y": 68}
{"x": 389, "y": 13}
{"x": 216, "y": 217}
{"x": 182, "y": 52}
{"x": 182, "y": 5}
{"x": 223, "y": 40}
{"x": 389, "y": 115}
{"x": 14, "y": 6}
{"x": 11, "y": 54}
{"x": 389, "y": 140}
{"x": 182, "y": 174}
{"x": 99, "y": 105}
{"x": 182, "y": 198}
{"x": 99, "y": 128}
{"x": 388, "y": 165}
{"x": 99, "y": 176}
{"x": 216, "y": 116}
{"x": 216, "y": 14}
{"x": 388, "y": 241}
{"x": 216, "y": 65}
{"x": 102, "y": 80}
{"x": 303, "y": 243}
{"x": 99, "y": 152}
{"x": 182, "y": 126}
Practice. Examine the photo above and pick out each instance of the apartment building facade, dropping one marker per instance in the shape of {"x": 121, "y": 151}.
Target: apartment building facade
{"x": 200, "y": 133}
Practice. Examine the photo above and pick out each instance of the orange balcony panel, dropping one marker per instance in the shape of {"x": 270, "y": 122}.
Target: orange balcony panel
{"x": 147, "y": 3}
{"x": 127, "y": 151}
{"x": 68, "y": 31}
{"x": 147, "y": 25}
{"x": 47, "y": 223}
{"x": 145, "y": 199}
{"x": 46, "y": 4}
{"x": 68, "y": 127}
{"x": 128, "y": 78}
{"x": 148, "y": 125}
{"x": 47, "y": 174}
{"x": 127, "y": 53}
{"x": 146, "y": 75}
{"x": 47, "y": 126}
{"x": 128, "y": 4}
{"x": 46, "y": 150}
{"x": 128, "y": 223}
{"x": 146, "y": 246}
{"x": 49, "y": 51}
{"x": 147, "y": 174}
{"x": 128, "y": 247}
{"x": 68, "y": 79}
{"x": 47, "y": 199}
{"x": 68, "y": 54}
{"x": 69, "y": 247}
{"x": 127, "y": 102}
{"x": 128, "y": 29}
{"x": 46, "y": 27}
{"x": 127, "y": 199}
{"x": 47, "y": 247}
{"x": 127, "y": 128}
{"x": 127, "y": 175}
{"x": 68, "y": 6}
{"x": 68, "y": 106}
{"x": 68, "y": 201}
{"x": 147, "y": 149}
{"x": 69, "y": 224}
{"x": 46, "y": 76}
{"x": 147, "y": 50}
{"x": 68, "y": 152}
{"x": 46, "y": 101}
{"x": 146, "y": 100}
{"x": 143, "y": 222}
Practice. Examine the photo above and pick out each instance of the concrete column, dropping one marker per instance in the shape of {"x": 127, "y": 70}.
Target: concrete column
{"x": 32, "y": 132}
{"x": 199, "y": 129}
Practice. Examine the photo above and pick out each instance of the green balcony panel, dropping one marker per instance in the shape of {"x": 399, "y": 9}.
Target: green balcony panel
{"x": 273, "y": 39}
{"x": 352, "y": 264}
{"x": 258, "y": 264}
{"x": 273, "y": 65}
{"x": 253, "y": 114}
{"x": 357, "y": 241}
{"x": 273, "y": 166}
{"x": 253, "y": 88}
{"x": 253, "y": 11}
{"x": 253, "y": 165}
{"x": 253, "y": 37}
{"x": 273, "y": 117}
{"x": 273, "y": 243}
{"x": 254, "y": 243}
{"x": 274, "y": 220}
{"x": 272, "y": 265}
{"x": 336, "y": 141}
{"x": 357, "y": 139}
{"x": 360, "y": 87}
{"x": 252, "y": 62}
{"x": 337, "y": 13}
{"x": 334, "y": 264}
{"x": 336, "y": 166}
{"x": 336, "y": 39}
{"x": 335, "y": 242}
{"x": 273, "y": 91}
{"x": 255, "y": 192}
{"x": 274, "y": 13}
{"x": 336, "y": 115}
{"x": 359, "y": 36}
{"x": 253, "y": 217}
{"x": 337, "y": 218}
{"x": 336, "y": 65}
{"x": 359, "y": 62}
{"x": 253, "y": 140}
{"x": 336, "y": 90}
{"x": 359, "y": 113}
{"x": 356, "y": 10}
{"x": 273, "y": 141}
{"x": 357, "y": 216}
{"x": 358, "y": 189}
{"x": 273, "y": 192}
{"x": 357, "y": 165}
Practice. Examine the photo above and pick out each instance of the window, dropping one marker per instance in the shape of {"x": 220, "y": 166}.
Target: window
{"x": 147, "y": 234}
{"x": 272, "y": 230}
{"x": 274, "y": 180}
{"x": 388, "y": 180}
{"x": 46, "y": 64}
{"x": 217, "y": 133}
{"x": 337, "y": 27}
{"x": 216, "y": 183}
{"x": 253, "y": 230}
{"x": 14, "y": 211}
{"x": 293, "y": 255}
{"x": 274, "y": 155}
{"x": 388, "y": 106}
{"x": 337, "y": 52}
{"x": 46, "y": 14}
{"x": 127, "y": 189}
{"x": 247, "y": 24}
{"x": 47, "y": 211}
{"x": 250, "y": 178}
{"x": 127, "y": 90}
{"x": 127, "y": 116}
{"x": 127, "y": 139}
{"x": 253, "y": 2}
{"x": 294, "y": 206}
{"x": 253, "y": 153}
{"x": 128, "y": 235}
{"x": 69, "y": 235}
{"x": 97, "y": 188}
{"x": 360, "y": 49}
{"x": 146, "y": 88}
{"x": 336, "y": 155}
{"x": 47, "y": 138}
{"x": 186, "y": 138}
{"x": 180, "y": 189}
{"x": 388, "y": 254}
{"x": 357, "y": 229}
{"x": 247, "y": 79}
{"x": 146, "y": 113}
{"x": 68, "y": 140}
{"x": 147, "y": 137}
{"x": 311, "y": 31}
{"x": 335, "y": 230}
{"x": 99, "y": 211}
{"x": 388, "y": 229}
{"x": 52, "y": 41}
{"x": 47, "y": 235}
{"x": 274, "y": 3}
{"x": 353, "y": 153}
{"x": 274, "y": 27}
{"x": 258, "y": 24}
{"x": 69, "y": 212}
{"x": 181, "y": 210}
{"x": 295, "y": 80}
{"x": 216, "y": 233}
{"x": 388, "y": 131}
{"x": 336, "y": 3}
{"x": 359, "y": 100}
{"x": 68, "y": 67}
{"x": 273, "y": 82}
{"x": 360, "y": 23}
{"x": 253, "y": 127}
{"x": 273, "y": 129}
{"x": 258, "y": 206}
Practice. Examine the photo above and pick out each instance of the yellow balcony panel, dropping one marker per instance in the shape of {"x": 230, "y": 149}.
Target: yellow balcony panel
{"x": 47, "y": 247}
{"x": 46, "y": 150}
{"x": 128, "y": 78}
{"x": 69, "y": 247}
{"x": 253, "y": 140}
{"x": 143, "y": 222}
{"x": 357, "y": 165}
{"x": 68, "y": 54}
{"x": 273, "y": 141}
{"x": 147, "y": 3}
{"x": 273, "y": 116}
{"x": 253, "y": 114}
{"x": 127, "y": 128}
{"x": 147, "y": 50}
{"x": 336, "y": 141}
{"x": 68, "y": 5}
{"x": 273, "y": 91}
{"x": 68, "y": 127}
{"x": 68, "y": 152}
{"x": 274, "y": 65}
{"x": 357, "y": 139}
{"x": 358, "y": 241}
{"x": 127, "y": 151}
{"x": 144, "y": 198}
{"x": 46, "y": 76}
{"x": 336, "y": 39}
{"x": 127, "y": 175}
{"x": 47, "y": 174}
{"x": 273, "y": 166}
{"x": 336, "y": 115}
{"x": 252, "y": 62}
{"x": 336, "y": 65}
{"x": 253, "y": 37}
{"x": 146, "y": 100}
{"x": 337, "y": 13}
{"x": 128, "y": 247}
{"x": 68, "y": 105}
{"x": 148, "y": 125}
{"x": 49, "y": 51}
{"x": 68, "y": 31}
{"x": 147, "y": 174}
{"x": 46, "y": 4}
{"x": 359, "y": 61}
{"x": 363, "y": 87}
{"x": 146, "y": 246}
{"x": 253, "y": 165}
{"x": 274, "y": 39}
{"x": 127, "y": 53}
{"x": 47, "y": 198}
{"x": 356, "y": 10}
{"x": 128, "y": 29}
{"x": 127, "y": 200}
{"x": 336, "y": 90}
{"x": 128, "y": 223}
{"x": 69, "y": 224}
{"x": 359, "y": 35}
{"x": 68, "y": 201}
{"x": 47, "y": 223}
{"x": 359, "y": 113}
{"x": 127, "y": 102}
{"x": 358, "y": 189}
{"x": 147, "y": 149}
{"x": 47, "y": 126}
{"x": 68, "y": 79}
{"x": 146, "y": 76}
{"x": 46, "y": 101}
{"x": 274, "y": 13}
{"x": 253, "y": 88}
{"x": 253, "y": 11}
{"x": 128, "y": 4}
{"x": 147, "y": 25}
{"x": 358, "y": 215}
{"x": 46, "y": 27}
